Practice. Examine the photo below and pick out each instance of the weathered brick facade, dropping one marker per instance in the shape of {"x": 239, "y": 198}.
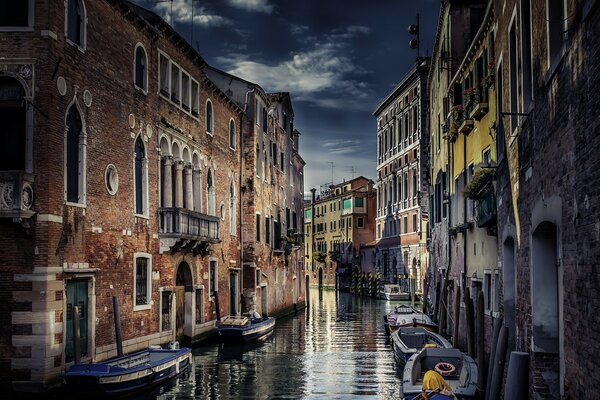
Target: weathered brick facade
{"x": 150, "y": 211}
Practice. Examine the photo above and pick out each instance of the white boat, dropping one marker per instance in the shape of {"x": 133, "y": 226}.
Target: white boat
{"x": 458, "y": 370}
{"x": 393, "y": 292}
{"x": 407, "y": 341}
{"x": 405, "y": 315}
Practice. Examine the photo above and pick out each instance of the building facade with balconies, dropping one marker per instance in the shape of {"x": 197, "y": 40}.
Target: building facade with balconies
{"x": 120, "y": 176}
{"x": 402, "y": 170}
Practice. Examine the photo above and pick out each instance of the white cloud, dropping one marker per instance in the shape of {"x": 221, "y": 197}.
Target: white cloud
{"x": 253, "y": 5}
{"x": 180, "y": 11}
{"x": 323, "y": 74}
{"x": 297, "y": 29}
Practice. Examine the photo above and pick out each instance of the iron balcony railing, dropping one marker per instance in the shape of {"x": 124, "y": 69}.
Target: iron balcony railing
{"x": 485, "y": 207}
{"x": 188, "y": 224}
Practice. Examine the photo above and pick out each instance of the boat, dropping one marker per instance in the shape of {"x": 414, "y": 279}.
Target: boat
{"x": 405, "y": 315}
{"x": 393, "y": 292}
{"x": 406, "y": 341}
{"x": 458, "y": 370}
{"x": 129, "y": 373}
{"x": 245, "y": 329}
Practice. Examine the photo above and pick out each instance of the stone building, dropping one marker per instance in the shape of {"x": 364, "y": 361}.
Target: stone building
{"x": 402, "y": 184}
{"x": 548, "y": 70}
{"x": 336, "y": 223}
{"x": 272, "y": 197}
{"x": 122, "y": 174}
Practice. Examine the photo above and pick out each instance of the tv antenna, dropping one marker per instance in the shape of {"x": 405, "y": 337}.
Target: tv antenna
{"x": 331, "y": 164}
{"x": 351, "y": 170}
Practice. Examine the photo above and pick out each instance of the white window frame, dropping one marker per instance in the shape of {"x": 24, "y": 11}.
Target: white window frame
{"x": 145, "y": 83}
{"x": 82, "y": 47}
{"x": 148, "y": 305}
{"x": 161, "y": 290}
{"x": 231, "y": 121}
{"x": 211, "y": 128}
{"x": 30, "y": 20}
{"x": 232, "y": 210}
{"x": 194, "y": 101}
{"x": 145, "y": 214}
{"x": 168, "y": 82}
{"x": 82, "y": 162}
{"x": 185, "y": 97}
{"x": 211, "y": 284}
{"x": 178, "y": 88}
{"x": 551, "y": 64}
{"x": 191, "y": 82}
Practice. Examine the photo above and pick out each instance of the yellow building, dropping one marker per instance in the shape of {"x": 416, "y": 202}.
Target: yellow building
{"x": 336, "y": 223}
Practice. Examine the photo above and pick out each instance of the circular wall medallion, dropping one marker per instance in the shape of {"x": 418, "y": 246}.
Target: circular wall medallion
{"x": 148, "y": 130}
{"x": 27, "y": 197}
{"x": 111, "y": 179}
{"x": 87, "y": 98}
{"x": 131, "y": 121}
{"x": 61, "y": 85}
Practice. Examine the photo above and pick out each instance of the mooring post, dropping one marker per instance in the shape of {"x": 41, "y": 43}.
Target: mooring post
{"x": 456, "y": 318}
{"x": 517, "y": 379}
{"x": 497, "y": 325}
{"x": 470, "y": 322}
{"x": 499, "y": 359}
{"x": 117, "y": 326}
{"x": 76, "y": 335}
{"x": 481, "y": 374}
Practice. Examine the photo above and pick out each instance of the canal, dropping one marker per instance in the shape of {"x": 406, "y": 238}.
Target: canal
{"x": 335, "y": 348}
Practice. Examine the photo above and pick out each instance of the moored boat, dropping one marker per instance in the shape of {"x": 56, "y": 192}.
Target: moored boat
{"x": 406, "y": 341}
{"x": 458, "y": 370}
{"x": 128, "y": 373}
{"x": 245, "y": 329}
{"x": 393, "y": 292}
{"x": 405, "y": 315}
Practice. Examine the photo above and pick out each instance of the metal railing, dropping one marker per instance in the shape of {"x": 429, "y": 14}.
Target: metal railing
{"x": 180, "y": 222}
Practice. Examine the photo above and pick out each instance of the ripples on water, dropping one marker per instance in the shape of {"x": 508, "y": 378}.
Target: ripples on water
{"x": 336, "y": 348}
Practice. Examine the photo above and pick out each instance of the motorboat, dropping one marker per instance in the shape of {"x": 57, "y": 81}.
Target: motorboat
{"x": 405, "y": 315}
{"x": 406, "y": 341}
{"x": 457, "y": 369}
{"x": 393, "y": 292}
{"x": 245, "y": 329}
{"x": 129, "y": 373}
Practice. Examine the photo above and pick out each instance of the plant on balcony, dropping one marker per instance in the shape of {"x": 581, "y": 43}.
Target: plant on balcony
{"x": 458, "y": 116}
{"x": 478, "y": 181}
{"x": 320, "y": 256}
{"x": 470, "y": 95}
{"x": 334, "y": 256}
{"x": 491, "y": 71}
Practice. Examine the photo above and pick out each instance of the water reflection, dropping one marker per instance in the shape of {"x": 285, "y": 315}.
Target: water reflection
{"x": 336, "y": 348}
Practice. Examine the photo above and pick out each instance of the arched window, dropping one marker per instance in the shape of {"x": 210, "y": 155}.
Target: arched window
{"x": 232, "y": 209}
{"x": 139, "y": 177}
{"x": 76, "y": 22}
{"x": 141, "y": 68}
{"x": 209, "y": 118}
{"x": 210, "y": 193}
{"x": 13, "y": 126}
{"x": 74, "y": 168}
{"x": 232, "y": 134}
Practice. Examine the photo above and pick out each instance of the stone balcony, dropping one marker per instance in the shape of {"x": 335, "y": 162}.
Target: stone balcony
{"x": 181, "y": 228}
{"x": 16, "y": 195}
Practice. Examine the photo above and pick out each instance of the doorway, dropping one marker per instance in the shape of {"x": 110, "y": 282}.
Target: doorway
{"x": 263, "y": 301}
{"x": 183, "y": 300}
{"x": 77, "y": 296}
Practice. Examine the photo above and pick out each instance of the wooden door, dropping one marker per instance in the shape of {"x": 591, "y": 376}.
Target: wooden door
{"x": 77, "y": 295}
{"x": 179, "y": 310}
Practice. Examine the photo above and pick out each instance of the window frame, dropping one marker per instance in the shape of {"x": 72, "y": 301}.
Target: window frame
{"x": 83, "y": 28}
{"x": 209, "y": 126}
{"x": 232, "y": 135}
{"x": 193, "y": 87}
{"x": 148, "y": 304}
{"x": 143, "y": 89}
{"x": 82, "y": 160}
{"x": 144, "y": 188}
{"x": 30, "y": 20}
{"x": 213, "y": 261}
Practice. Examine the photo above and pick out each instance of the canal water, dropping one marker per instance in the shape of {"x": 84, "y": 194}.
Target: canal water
{"x": 334, "y": 349}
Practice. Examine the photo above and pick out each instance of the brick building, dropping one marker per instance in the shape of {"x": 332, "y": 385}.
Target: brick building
{"x": 337, "y": 223}
{"x": 272, "y": 203}
{"x": 402, "y": 184}
{"x": 547, "y": 64}
{"x": 121, "y": 175}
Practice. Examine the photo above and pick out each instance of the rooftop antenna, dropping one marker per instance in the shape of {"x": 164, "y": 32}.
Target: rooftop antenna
{"x": 332, "y": 165}
{"x": 414, "y": 30}
{"x": 351, "y": 169}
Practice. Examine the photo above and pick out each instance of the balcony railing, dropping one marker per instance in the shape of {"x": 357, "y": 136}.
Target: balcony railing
{"x": 187, "y": 224}
{"x": 485, "y": 207}
{"x": 16, "y": 194}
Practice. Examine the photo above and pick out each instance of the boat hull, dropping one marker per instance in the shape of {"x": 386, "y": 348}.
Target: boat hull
{"x": 244, "y": 334}
{"x": 394, "y": 296}
{"x": 406, "y": 341}
{"x": 111, "y": 378}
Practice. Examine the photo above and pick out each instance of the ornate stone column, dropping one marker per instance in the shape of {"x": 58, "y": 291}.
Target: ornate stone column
{"x": 167, "y": 182}
{"x": 197, "y": 189}
{"x": 189, "y": 194}
{"x": 179, "y": 184}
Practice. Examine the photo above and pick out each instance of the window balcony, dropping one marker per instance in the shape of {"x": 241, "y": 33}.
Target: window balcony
{"x": 485, "y": 207}
{"x": 466, "y": 127}
{"x": 479, "y": 110}
{"x": 16, "y": 195}
{"x": 181, "y": 228}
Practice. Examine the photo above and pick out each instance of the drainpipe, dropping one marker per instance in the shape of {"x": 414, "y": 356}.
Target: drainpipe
{"x": 464, "y": 280}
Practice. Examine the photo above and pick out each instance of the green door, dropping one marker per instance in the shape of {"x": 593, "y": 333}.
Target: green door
{"x": 77, "y": 295}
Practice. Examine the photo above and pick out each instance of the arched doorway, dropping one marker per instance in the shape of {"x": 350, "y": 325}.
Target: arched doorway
{"x": 545, "y": 313}
{"x": 183, "y": 296}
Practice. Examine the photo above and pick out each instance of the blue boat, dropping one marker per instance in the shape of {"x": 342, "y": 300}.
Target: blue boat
{"x": 128, "y": 373}
{"x": 245, "y": 329}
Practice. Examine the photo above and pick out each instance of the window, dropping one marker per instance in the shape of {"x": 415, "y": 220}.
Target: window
{"x": 360, "y": 222}
{"x": 359, "y": 202}
{"x": 185, "y": 91}
{"x": 75, "y": 22}
{"x": 175, "y": 84}
{"x": 210, "y": 193}
{"x": 232, "y": 210}
{"x": 199, "y": 306}
{"x": 486, "y": 157}
{"x": 264, "y": 120}
{"x": 213, "y": 284}
{"x": 526, "y": 53}
{"x": 74, "y": 168}
{"x": 499, "y": 104}
{"x": 163, "y": 67}
{"x": 405, "y": 224}
{"x": 347, "y": 204}
{"x": 15, "y": 14}
{"x": 140, "y": 177}
{"x": 143, "y": 284}
{"x": 13, "y": 129}
{"x": 487, "y": 290}
{"x": 165, "y": 311}
{"x": 141, "y": 68}
{"x": 231, "y": 134}
{"x": 257, "y": 277}
{"x": 258, "y": 227}
{"x": 556, "y": 30}
{"x": 209, "y": 117}
{"x": 414, "y": 223}
{"x": 267, "y": 230}
{"x": 195, "y": 98}
{"x": 513, "y": 66}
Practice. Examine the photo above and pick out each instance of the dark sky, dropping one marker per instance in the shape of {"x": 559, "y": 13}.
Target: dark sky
{"x": 337, "y": 58}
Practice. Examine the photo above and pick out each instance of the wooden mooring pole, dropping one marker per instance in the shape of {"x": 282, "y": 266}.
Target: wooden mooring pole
{"x": 456, "y": 317}
{"x": 481, "y": 370}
